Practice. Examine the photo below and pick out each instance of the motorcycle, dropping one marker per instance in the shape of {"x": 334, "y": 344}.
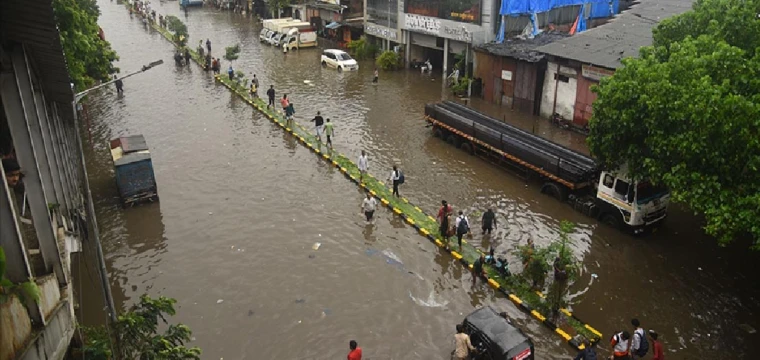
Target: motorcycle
{"x": 559, "y": 121}
{"x": 426, "y": 67}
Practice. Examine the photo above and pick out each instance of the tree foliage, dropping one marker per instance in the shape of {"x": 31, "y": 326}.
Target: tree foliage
{"x": 26, "y": 291}
{"x": 135, "y": 335}
{"x": 232, "y": 53}
{"x": 276, "y": 5}
{"x": 88, "y": 57}
{"x": 686, "y": 114}
{"x": 389, "y": 60}
{"x": 179, "y": 29}
{"x": 362, "y": 49}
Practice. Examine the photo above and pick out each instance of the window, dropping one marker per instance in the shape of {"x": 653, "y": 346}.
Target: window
{"x": 622, "y": 189}
{"x": 383, "y": 12}
{"x": 609, "y": 180}
{"x": 562, "y": 78}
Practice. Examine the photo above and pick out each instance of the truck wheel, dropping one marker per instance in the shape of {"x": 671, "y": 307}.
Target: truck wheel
{"x": 467, "y": 147}
{"x": 452, "y": 139}
{"x": 611, "y": 220}
{"x": 324, "y": 64}
{"x": 554, "y": 190}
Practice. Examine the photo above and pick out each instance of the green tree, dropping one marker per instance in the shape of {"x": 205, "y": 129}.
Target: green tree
{"x": 686, "y": 114}
{"x": 276, "y": 5}
{"x": 362, "y": 49}
{"x": 88, "y": 57}
{"x": 135, "y": 335}
{"x": 232, "y": 53}
{"x": 179, "y": 29}
{"x": 26, "y": 291}
{"x": 389, "y": 60}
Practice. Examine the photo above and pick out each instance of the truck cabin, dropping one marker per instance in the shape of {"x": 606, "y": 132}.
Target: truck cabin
{"x": 623, "y": 189}
{"x": 496, "y": 338}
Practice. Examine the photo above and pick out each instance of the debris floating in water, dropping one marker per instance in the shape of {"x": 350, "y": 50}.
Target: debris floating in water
{"x": 219, "y": 301}
{"x": 307, "y": 81}
{"x": 316, "y": 246}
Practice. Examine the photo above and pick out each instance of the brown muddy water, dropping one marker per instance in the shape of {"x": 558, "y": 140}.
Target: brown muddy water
{"x": 242, "y": 204}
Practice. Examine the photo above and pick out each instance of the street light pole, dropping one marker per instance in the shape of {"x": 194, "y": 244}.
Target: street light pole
{"x": 90, "y": 204}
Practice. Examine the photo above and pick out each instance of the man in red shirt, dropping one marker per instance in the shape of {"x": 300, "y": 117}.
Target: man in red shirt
{"x": 656, "y": 346}
{"x": 356, "y": 352}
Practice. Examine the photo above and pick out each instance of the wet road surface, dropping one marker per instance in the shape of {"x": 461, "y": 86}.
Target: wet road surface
{"x": 242, "y": 204}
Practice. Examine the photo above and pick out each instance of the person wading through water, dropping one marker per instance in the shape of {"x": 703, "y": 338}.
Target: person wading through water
{"x": 271, "y": 95}
{"x": 444, "y": 214}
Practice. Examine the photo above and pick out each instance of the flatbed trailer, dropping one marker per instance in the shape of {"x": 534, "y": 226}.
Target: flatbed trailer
{"x": 564, "y": 174}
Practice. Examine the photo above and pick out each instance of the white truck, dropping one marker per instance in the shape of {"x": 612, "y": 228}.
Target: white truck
{"x": 300, "y": 37}
{"x": 609, "y": 196}
{"x": 283, "y": 29}
{"x": 270, "y": 26}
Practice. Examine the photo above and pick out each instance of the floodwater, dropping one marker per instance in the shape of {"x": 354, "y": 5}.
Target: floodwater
{"x": 242, "y": 204}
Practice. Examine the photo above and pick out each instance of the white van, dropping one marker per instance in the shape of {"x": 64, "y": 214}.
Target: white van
{"x": 339, "y": 59}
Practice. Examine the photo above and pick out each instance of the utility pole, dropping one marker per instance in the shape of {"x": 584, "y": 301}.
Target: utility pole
{"x": 90, "y": 204}
{"x": 387, "y": 40}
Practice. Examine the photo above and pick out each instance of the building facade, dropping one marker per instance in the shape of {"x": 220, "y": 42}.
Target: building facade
{"x": 337, "y": 20}
{"x": 381, "y": 22}
{"x": 43, "y": 216}
{"x": 436, "y": 30}
{"x": 579, "y": 62}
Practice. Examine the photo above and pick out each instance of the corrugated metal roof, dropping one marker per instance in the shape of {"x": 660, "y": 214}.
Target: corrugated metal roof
{"x": 31, "y": 22}
{"x": 622, "y": 37}
{"x": 522, "y": 49}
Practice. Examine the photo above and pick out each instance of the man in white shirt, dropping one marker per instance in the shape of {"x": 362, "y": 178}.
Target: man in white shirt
{"x": 363, "y": 165}
{"x": 368, "y": 205}
{"x": 395, "y": 176}
{"x": 462, "y": 225}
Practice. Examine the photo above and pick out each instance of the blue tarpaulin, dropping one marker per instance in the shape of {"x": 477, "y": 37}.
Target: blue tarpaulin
{"x": 604, "y": 9}
{"x": 524, "y": 7}
{"x": 581, "y": 19}
{"x": 332, "y": 25}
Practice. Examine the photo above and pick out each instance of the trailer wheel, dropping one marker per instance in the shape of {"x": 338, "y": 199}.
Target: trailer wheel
{"x": 554, "y": 190}
{"x": 438, "y": 132}
{"x": 611, "y": 220}
{"x": 452, "y": 139}
{"x": 467, "y": 147}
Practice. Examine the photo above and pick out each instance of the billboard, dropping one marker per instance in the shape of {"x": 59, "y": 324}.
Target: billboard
{"x": 467, "y": 11}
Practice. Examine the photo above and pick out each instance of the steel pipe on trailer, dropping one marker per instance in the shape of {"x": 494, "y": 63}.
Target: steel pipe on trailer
{"x": 552, "y": 147}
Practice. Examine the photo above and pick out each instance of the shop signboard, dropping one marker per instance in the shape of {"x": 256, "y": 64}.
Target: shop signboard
{"x": 424, "y": 24}
{"x": 595, "y": 73}
{"x": 381, "y": 31}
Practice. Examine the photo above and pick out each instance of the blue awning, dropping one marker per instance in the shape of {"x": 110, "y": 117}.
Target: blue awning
{"x": 333, "y": 25}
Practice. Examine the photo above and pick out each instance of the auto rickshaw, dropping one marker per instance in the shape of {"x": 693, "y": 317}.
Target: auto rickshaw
{"x": 495, "y": 338}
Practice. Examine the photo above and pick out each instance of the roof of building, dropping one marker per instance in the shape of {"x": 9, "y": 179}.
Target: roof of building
{"x": 622, "y": 37}
{"x": 522, "y": 49}
{"x": 31, "y": 22}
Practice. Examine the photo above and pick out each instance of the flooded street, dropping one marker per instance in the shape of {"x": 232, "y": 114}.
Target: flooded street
{"x": 242, "y": 204}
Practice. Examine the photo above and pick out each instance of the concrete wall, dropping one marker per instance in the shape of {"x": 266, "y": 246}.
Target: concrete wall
{"x": 15, "y": 328}
{"x": 565, "y": 91}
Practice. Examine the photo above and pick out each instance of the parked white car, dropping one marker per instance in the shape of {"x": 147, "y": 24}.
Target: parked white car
{"x": 339, "y": 59}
